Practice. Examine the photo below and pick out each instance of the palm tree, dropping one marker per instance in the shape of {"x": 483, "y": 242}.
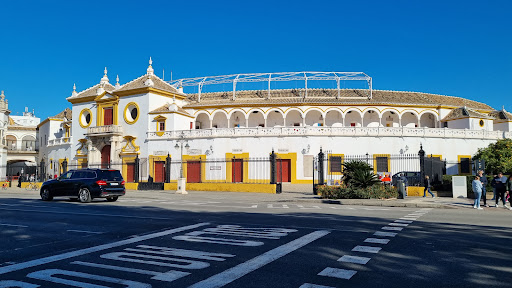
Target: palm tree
{"x": 359, "y": 174}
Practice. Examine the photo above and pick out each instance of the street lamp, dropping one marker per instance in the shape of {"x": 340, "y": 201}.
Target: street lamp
{"x": 181, "y": 181}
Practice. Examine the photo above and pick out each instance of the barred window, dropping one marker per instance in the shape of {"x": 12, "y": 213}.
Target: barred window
{"x": 465, "y": 165}
{"x": 335, "y": 163}
{"x": 382, "y": 164}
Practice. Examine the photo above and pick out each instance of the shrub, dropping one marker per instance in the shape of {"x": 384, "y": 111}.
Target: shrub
{"x": 371, "y": 192}
{"x": 359, "y": 174}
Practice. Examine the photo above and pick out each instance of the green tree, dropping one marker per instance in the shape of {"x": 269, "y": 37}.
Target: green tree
{"x": 359, "y": 174}
{"x": 497, "y": 156}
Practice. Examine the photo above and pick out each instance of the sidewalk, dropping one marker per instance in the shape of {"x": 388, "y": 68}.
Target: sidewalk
{"x": 414, "y": 202}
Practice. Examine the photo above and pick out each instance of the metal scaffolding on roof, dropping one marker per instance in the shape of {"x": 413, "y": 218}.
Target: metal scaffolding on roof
{"x": 270, "y": 77}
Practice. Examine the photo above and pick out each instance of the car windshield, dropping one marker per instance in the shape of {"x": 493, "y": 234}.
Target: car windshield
{"x": 110, "y": 175}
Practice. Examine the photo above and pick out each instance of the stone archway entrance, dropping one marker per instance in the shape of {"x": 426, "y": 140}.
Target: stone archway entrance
{"x": 105, "y": 157}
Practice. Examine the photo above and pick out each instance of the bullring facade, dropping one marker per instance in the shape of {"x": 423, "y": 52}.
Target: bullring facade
{"x": 146, "y": 117}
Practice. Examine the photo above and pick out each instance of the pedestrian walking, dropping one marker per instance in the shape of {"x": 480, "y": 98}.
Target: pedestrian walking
{"x": 484, "y": 181}
{"x": 508, "y": 189}
{"x": 477, "y": 189}
{"x": 500, "y": 189}
{"x": 426, "y": 184}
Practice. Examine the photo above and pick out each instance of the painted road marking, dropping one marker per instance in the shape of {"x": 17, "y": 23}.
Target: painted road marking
{"x": 271, "y": 206}
{"x": 376, "y": 240}
{"x": 309, "y": 285}
{"x": 249, "y": 266}
{"x": 82, "y": 231}
{"x": 337, "y": 273}
{"x": 162, "y": 276}
{"x": 50, "y": 275}
{"x": 399, "y": 224}
{"x": 354, "y": 259}
{"x": 392, "y": 228}
{"x": 404, "y": 221}
{"x": 50, "y": 259}
{"x": 366, "y": 249}
{"x": 385, "y": 234}
{"x": 14, "y": 225}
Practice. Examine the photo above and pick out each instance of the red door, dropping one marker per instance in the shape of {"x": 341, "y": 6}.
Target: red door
{"x": 130, "y": 172}
{"x": 284, "y": 170}
{"x": 159, "y": 171}
{"x": 108, "y": 116}
{"x": 105, "y": 157}
{"x": 238, "y": 170}
{"x": 194, "y": 172}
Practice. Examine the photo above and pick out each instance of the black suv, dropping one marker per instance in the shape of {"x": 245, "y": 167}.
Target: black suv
{"x": 85, "y": 184}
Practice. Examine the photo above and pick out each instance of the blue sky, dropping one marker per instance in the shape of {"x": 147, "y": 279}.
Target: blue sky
{"x": 458, "y": 48}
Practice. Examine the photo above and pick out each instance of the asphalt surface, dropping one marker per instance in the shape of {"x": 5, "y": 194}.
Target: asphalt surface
{"x": 160, "y": 239}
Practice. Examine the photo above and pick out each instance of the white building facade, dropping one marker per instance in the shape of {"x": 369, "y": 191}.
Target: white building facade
{"x": 112, "y": 125}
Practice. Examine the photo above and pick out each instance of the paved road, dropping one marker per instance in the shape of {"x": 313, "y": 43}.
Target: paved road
{"x": 210, "y": 240}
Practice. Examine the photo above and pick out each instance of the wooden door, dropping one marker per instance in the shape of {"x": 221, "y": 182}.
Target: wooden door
{"x": 108, "y": 116}
{"x": 238, "y": 170}
{"x": 105, "y": 157}
{"x": 159, "y": 171}
{"x": 194, "y": 172}
{"x": 130, "y": 172}
{"x": 284, "y": 170}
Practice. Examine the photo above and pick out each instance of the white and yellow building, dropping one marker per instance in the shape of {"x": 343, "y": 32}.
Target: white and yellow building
{"x": 146, "y": 117}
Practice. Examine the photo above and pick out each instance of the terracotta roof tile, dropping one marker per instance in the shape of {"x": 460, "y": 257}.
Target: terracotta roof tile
{"x": 140, "y": 83}
{"x": 165, "y": 109}
{"x": 501, "y": 115}
{"x": 328, "y": 96}
{"x": 91, "y": 91}
{"x": 464, "y": 112}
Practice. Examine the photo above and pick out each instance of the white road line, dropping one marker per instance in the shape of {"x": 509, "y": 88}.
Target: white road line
{"x": 384, "y": 234}
{"x": 366, "y": 249}
{"x": 376, "y": 240}
{"x": 50, "y": 259}
{"x": 354, "y": 259}
{"x": 14, "y": 225}
{"x": 392, "y": 228}
{"x": 162, "y": 276}
{"x": 409, "y": 218}
{"x": 404, "y": 221}
{"x": 247, "y": 267}
{"x": 399, "y": 224}
{"x": 337, "y": 273}
{"x": 82, "y": 231}
{"x": 309, "y": 285}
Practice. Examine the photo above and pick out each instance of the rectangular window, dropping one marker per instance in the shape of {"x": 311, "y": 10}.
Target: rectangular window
{"x": 335, "y": 163}
{"x": 382, "y": 163}
{"x": 108, "y": 116}
{"x": 161, "y": 126}
{"x": 353, "y": 124}
{"x": 464, "y": 164}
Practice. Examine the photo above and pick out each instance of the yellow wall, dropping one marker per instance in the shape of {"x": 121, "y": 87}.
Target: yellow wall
{"x": 228, "y": 187}
{"x": 131, "y": 186}
{"x": 127, "y": 159}
{"x": 152, "y": 160}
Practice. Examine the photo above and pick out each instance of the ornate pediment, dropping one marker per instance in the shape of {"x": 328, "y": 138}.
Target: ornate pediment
{"x": 82, "y": 150}
{"x": 130, "y": 147}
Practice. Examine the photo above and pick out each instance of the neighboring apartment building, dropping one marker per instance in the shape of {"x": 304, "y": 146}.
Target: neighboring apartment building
{"x": 111, "y": 125}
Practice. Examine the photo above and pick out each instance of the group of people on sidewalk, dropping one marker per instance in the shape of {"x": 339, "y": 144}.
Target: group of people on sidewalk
{"x": 501, "y": 186}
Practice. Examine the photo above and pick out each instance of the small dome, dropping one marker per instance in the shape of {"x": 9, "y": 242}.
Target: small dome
{"x": 173, "y": 107}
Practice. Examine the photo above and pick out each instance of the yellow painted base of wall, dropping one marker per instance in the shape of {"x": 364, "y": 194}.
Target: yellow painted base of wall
{"x": 25, "y": 184}
{"x": 131, "y": 186}
{"x": 229, "y": 187}
{"x": 417, "y": 191}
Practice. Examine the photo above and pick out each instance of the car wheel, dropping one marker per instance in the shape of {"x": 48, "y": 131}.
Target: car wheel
{"x": 46, "y": 195}
{"x": 84, "y": 195}
{"x": 112, "y": 199}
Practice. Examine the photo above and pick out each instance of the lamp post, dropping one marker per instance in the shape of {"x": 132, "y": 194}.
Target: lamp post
{"x": 180, "y": 143}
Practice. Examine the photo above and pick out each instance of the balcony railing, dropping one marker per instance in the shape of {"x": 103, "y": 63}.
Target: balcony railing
{"x": 59, "y": 141}
{"x": 22, "y": 150}
{"x": 332, "y": 131}
{"x": 105, "y": 130}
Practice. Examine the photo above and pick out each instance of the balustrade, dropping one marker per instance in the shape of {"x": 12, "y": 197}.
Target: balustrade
{"x": 332, "y": 131}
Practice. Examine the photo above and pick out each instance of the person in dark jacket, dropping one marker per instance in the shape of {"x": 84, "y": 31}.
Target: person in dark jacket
{"x": 484, "y": 181}
{"x": 500, "y": 189}
{"x": 426, "y": 184}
